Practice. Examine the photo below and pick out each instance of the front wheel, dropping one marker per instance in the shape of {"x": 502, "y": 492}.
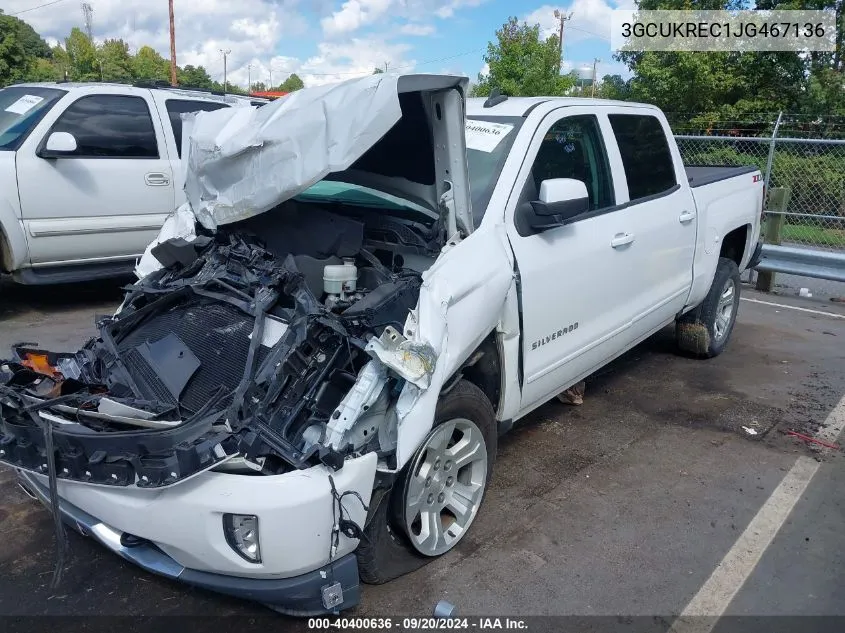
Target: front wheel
{"x": 705, "y": 331}
{"x": 439, "y": 492}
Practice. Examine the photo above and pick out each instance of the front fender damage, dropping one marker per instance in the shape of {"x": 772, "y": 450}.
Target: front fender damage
{"x": 462, "y": 300}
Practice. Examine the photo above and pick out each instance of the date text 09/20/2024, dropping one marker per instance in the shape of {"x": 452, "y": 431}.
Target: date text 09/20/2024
{"x": 417, "y": 624}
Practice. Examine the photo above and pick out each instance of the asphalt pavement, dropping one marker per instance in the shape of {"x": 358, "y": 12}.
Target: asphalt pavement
{"x": 628, "y": 505}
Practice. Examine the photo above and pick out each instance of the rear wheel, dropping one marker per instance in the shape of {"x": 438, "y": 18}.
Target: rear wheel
{"x": 706, "y": 330}
{"x": 437, "y": 496}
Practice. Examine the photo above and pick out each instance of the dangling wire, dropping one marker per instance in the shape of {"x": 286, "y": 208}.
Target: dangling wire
{"x": 58, "y": 526}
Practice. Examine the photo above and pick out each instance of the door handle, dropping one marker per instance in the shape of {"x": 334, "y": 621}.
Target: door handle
{"x": 156, "y": 179}
{"x": 686, "y": 216}
{"x": 621, "y": 239}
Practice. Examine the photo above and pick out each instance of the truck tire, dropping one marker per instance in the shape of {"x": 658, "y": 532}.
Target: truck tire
{"x": 418, "y": 519}
{"x": 706, "y": 330}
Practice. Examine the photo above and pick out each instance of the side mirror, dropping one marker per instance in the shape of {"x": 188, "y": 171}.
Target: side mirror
{"x": 561, "y": 201}
{"x": 565, "y": 197}
{"x": 58, "y": 144}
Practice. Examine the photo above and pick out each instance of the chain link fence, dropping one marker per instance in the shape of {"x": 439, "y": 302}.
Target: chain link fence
{"x": 805, "y": 180}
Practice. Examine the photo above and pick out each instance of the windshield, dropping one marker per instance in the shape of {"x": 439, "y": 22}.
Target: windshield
{"x": 488, "y": 140}
{"x": 21, "y": 108}
{"x": 356, "y": 195}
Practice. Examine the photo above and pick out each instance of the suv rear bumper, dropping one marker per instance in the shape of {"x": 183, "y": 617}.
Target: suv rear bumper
{"x": 297, "y": 595}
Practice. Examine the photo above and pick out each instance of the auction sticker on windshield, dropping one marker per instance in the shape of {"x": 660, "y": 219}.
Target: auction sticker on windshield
{"x": 484, "y": 136}
{"x": 24, "y": 104}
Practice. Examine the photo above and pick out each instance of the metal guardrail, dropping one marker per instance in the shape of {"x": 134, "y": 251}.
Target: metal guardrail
{"x": 804, "y": 262}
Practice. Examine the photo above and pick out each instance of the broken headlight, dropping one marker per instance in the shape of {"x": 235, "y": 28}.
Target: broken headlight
{"x": 241, "y": 532}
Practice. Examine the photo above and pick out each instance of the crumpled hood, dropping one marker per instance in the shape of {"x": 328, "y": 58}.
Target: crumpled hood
{"x": 399, "y": 134}
{"x": 244, "y": 161}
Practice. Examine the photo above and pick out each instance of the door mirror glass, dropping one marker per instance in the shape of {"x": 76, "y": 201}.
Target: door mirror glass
{"x": 562, "y": 198}
{"x": 59, "y": 144}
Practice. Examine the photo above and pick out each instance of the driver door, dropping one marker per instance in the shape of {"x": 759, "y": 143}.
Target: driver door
{"x": 575, "y": 292}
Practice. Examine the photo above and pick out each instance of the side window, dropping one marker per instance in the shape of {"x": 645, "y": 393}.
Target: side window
{"x": 573, "y": 148}
{"x": 177, "y": 107}
{"x": 645, "y": 154}
{"x": 110, "y": 126}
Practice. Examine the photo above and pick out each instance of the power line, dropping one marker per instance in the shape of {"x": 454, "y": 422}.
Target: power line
{"x": 46, "y": 4}
{"x": 575, "y": 28}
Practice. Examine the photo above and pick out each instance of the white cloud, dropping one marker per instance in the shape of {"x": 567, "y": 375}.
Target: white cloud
{"x": 416, "y": 29}
{"x": 254, "y": 30}
{"x": 251, "y": 28}
{"x": 337, "y": 61}
{"x": 354, "y": 14}
{"x": 590, "y": 19}
{"x": 485, "y": 69}
{"x": 448, "y": 9}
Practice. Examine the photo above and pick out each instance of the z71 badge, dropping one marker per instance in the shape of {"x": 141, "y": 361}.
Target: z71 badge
{"x": 554, "y": 335}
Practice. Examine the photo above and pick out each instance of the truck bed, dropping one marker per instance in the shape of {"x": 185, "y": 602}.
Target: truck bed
{"x": 699, "y": 175}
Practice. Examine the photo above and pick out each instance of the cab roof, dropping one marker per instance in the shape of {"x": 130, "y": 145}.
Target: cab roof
{"x": 521, "y": 106}
{"x": 187, "y": 92}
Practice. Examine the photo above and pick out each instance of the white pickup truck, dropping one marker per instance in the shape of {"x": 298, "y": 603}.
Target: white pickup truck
{"x": 88, "y": 173}
{"x": 368, "y": 283}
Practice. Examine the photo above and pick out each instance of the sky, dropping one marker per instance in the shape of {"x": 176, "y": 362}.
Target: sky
{"x": 326, "y": 41}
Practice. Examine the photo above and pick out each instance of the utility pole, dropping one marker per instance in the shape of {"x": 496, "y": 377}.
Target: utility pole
{"x": 173, "y": 81}
{"x": 596, "y": 60}
{"x": 225, "y": 55}
{"x": 88, "y": 15}
{"x": 270, "y": 86}
{"x": 562, "y": 18}
{"x": 385, "y": 66}
{"x": 249, "y": 78}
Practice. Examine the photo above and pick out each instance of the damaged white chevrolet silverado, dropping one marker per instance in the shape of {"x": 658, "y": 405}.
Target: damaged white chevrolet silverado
{"x": 369, "y": 282}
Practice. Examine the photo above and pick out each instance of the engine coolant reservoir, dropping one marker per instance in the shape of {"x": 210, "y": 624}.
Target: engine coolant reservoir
{"x": 340, "y": 278}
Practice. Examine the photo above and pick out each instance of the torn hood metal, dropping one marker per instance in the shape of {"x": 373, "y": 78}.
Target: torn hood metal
{"x": 377, "y": 131}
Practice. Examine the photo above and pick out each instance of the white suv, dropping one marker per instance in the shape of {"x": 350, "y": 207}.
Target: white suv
{"x": 88, "y": 173}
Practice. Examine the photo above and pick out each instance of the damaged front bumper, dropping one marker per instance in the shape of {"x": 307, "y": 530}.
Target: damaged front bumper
{"x": 177, "y": 532}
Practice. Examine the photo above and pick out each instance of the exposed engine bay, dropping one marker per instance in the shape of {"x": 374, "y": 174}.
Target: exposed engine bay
{"x": 266, "y": 345}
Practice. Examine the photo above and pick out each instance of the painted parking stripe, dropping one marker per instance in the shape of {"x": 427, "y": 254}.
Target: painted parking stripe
{"x": 709, "y": 604}
{"x": 788, "y": 307}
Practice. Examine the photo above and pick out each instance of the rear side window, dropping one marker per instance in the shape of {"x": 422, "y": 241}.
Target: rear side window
{"x": 109, "y": 126}
{"x": 176, "y": 108}
{"x": 645, "y": 154}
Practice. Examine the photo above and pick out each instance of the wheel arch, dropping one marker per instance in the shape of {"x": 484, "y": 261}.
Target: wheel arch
{"x": 483, "y": 368}
{"x": 736, "y": 245}
{"x": 14, "y": 250}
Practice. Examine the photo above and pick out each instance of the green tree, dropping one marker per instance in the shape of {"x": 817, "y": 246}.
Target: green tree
{"x": 148, "y": 65}
{"x": 259, "y": 86}
{"x": 377, "y": 71}
{"x": 61, "y": 61}
{"x": 14, "y": 61}
{"x": 726, "y": 85}
{"x": 194, "y": 77}
{"x": 291, "y": 84}
{"x": 116, "y": 60}
{"x": 82, "y": 56}
{"x": 21, "y": 50}
{"x": 522, "y": 64}
{"x": 614, "y": 87}
{"x": 44, "y": 70}
{"x": 825, "y": 93}
{"x": 33, "y": 44}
